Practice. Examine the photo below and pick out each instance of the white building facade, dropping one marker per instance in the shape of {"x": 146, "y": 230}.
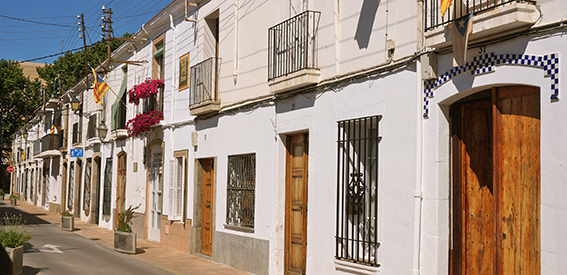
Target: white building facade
{"x": 332, "y": 137}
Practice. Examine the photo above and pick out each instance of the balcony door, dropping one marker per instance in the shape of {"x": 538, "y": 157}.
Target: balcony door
{"x": 496, "y": 191}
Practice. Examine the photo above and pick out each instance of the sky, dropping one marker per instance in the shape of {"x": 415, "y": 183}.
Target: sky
{"x": 31, "y": 30}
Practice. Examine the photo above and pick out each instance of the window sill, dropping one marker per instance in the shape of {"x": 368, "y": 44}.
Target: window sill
{"x": 118, "y": 134}
{"x": 295, "y": 80}
{"x": 354, "y": 268}
{"x": 239, "y": 228}
{"x": 204, "y": 108}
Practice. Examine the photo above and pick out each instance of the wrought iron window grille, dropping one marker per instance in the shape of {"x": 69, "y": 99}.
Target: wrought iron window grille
{"x": 357, "y": 190}
{"x": 241, "y": 190}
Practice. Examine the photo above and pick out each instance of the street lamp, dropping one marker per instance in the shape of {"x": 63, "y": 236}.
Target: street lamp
{"x": 75, "y": 103}
{"x": 25, "y": 134}
{"x": 102, "y": 130}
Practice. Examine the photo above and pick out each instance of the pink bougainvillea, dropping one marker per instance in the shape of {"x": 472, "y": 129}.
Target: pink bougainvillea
{"x": 144, "y": 90}
{"x": 141, "y": 123}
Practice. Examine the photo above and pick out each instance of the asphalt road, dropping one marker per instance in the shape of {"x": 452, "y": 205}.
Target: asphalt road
{"x": 54, "y": 251}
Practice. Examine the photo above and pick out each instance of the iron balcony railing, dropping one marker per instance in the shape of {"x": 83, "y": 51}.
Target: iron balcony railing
{"x": 203, "y": 81}
{"x": 37, "y": 147}
{"x": 460, "y": 8}
{"x": 292, "y": 45}
{"x": 50, "y": 142}
{"x": 61, "y": 137}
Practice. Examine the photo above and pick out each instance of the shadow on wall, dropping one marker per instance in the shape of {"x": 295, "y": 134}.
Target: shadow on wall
{"x": 366, "y": 22}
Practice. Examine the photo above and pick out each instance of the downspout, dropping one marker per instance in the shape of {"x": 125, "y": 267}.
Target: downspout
{"x": 172, "y": 26}
{"x": 235, "y": 63}
{"x": 418, "y": 192}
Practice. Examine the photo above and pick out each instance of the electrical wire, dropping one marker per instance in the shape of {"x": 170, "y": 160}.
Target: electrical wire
{"x": 35, "y": 22}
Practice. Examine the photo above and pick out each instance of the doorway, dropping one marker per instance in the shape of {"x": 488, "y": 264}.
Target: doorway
{"x": 155, "y": 187}
{"x": 120, "y": 186}
{"x": 207, "y": 206}
{"x": 296, "y": 204}
{"x": 496, "y": 182}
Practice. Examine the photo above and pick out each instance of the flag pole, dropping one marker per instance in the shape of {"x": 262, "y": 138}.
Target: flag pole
{"x": 117, "y": 96}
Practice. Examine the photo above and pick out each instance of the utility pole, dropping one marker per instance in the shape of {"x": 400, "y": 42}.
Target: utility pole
{"x": 82, "y": 28}
{"x": 107, "y": 27}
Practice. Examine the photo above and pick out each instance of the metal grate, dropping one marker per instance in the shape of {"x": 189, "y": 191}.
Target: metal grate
{"x": 87, "y": 189}
{"x": 240, "y": 190}
{"x": 460, "y": 8}
{"x": 107, "y": 187}
{"x": 203, "y": 81}
{"x": 292, "y": 45}
{"x": 71, "y": 185}
{"x": 357, "y": 190}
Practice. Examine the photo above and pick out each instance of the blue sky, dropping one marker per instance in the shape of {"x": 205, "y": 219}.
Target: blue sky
{"x": 32, "y": 29}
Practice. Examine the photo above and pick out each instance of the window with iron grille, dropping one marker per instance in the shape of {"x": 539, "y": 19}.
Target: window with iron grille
{"x": 357, "y": 190}
{"x": 76, "y": 133}
{"x": 71, "y": 185}
{"x": 107, "y": 187}
{"x": 240, "y": 190}
{"x": 87, "y": 189}
{"x": 91, "y": 131}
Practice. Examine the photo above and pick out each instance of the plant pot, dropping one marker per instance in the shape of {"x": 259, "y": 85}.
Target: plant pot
{"x": 12, "y": 261}
{"x": 13, "y": 201}
{"x": 67, "y": 223}
{"x": 125, "y": 242}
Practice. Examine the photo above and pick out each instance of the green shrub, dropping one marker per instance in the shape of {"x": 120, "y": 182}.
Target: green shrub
{"x": 67, "y": 214}
{"x": 125, "y": 219}
{"x": 14, "y": 197}
{"x": 2, "y": 192}
{"x": 11, "y": 234}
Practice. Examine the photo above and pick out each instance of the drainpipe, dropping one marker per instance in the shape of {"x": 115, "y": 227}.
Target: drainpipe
{"x": 418, "y": 192}
{"x": 235, "y": 64}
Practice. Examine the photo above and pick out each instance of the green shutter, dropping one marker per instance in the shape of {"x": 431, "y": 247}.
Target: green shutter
{"x": 117, "y": 104}
{"x": 159, "y": 50}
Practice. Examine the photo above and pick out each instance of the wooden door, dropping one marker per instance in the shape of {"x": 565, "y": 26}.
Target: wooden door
{"x": 120, "y": 186}
{"x": 207, "y": 208}
{"x": 296, "y": 204}
{"x": 497, "y": 176}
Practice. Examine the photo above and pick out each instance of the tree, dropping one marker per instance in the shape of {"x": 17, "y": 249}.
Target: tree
{"x": 19, "y": 97}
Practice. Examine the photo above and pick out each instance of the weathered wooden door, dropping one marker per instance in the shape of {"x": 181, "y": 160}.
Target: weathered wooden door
{"x": 120, "y": 186}
{"x": 207, "y": 222}
{"x": 497, "y": 183}
{"x": 296, "y": 204}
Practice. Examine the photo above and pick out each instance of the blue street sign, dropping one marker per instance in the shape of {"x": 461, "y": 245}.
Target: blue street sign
{"x": 77, "y": 153}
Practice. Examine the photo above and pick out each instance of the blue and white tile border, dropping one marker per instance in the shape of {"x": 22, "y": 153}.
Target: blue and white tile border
{"x": 485, "y": 63}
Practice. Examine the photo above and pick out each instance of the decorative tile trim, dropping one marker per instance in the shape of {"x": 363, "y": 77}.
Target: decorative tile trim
{"x": 485, "y": 63}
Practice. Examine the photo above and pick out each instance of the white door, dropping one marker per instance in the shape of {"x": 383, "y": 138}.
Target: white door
{"x": 156, "y": 184}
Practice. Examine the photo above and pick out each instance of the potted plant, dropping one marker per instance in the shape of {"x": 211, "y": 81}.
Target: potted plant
{"x": 2, "y": 194}
{"x": 67, "y": 221}
{"x": 124, "y": 238}
{"x": 12, "y": 239}
{"x": 13, "y": 199}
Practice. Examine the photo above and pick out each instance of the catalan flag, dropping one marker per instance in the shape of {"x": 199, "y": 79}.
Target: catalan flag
{"x": 52, "y": 128}
{"x": 462, "y": 28}
{"x": 100, "y": 87}
{"x": 445, "y": 4}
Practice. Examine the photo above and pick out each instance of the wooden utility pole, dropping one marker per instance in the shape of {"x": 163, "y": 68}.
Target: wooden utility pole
{"x": 107, "y": 26}
{"x": 82, "y": 23}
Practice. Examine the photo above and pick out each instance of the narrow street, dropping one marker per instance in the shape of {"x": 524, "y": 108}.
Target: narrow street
{"x": 87, "y": 250}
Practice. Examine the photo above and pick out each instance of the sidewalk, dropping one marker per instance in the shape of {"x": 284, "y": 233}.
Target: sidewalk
{"x": 169, "y": 259}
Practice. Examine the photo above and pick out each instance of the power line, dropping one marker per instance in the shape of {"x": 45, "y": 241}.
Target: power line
{"x": 56, "y": 54}
{"x": 35, "y": 22}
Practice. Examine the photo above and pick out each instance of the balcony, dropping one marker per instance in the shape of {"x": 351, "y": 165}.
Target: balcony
{"x": 203, "y": 98}
{"x": 491, "y": 19}
{"x": 292, "y": 53}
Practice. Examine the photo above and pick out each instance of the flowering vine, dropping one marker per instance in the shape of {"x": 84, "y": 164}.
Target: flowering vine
{"x": 144, "y": 90}
{"x": 141, "y": 123}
